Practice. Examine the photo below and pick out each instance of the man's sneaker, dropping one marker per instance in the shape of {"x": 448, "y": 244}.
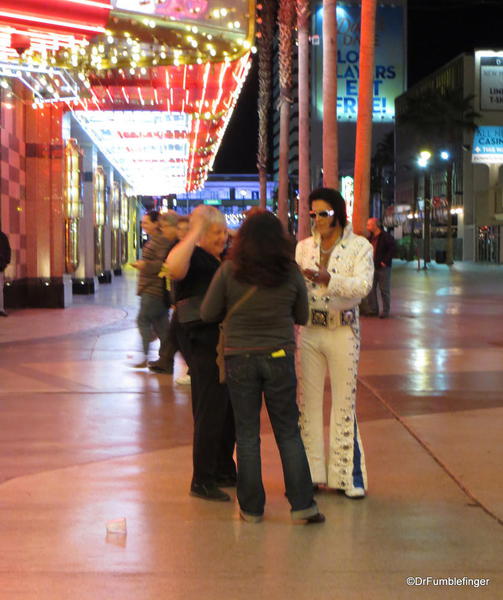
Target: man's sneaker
{"x": 208, "y": 492}
{"x": 250, "y": 518}
{"x": 3, "y": 313}
{"x": 355, "y": 492}
{"x": 159, "y": 366}
{"x": 141, "y": 365}
{"x": 183, "y": 380}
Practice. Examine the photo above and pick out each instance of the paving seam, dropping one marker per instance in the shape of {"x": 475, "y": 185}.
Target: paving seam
{"x": 427, "y": 448}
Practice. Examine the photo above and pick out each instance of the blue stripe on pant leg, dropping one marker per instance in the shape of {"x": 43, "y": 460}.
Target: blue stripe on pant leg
{"x": 357, "y": 461}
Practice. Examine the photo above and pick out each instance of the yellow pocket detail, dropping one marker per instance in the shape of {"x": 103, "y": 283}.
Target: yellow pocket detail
{"x": 278, "y": 353}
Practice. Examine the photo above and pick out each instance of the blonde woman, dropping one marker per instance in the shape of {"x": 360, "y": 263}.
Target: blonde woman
{"x": 192, "y": 263}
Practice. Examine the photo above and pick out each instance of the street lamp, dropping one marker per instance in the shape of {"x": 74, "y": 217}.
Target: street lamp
{"x": 423, "y": 158}
{"x": 423, "y": 162}
{"x": 449, "y": 250}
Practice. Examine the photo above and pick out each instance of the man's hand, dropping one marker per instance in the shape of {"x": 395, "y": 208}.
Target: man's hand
{"x": 321, "y": 277}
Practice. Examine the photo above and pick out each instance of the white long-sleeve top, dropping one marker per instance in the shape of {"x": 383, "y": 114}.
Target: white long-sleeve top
{"x": 351, "y": 269}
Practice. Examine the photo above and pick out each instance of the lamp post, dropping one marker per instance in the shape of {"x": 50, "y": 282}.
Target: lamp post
{"x": 446, "y": 156}
{"x": 423, "y": 162}
{"x": 412, "y": 250}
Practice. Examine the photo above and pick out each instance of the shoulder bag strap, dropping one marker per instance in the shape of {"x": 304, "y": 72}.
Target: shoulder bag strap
{"x": 221, "y": 338}
{"x": 237, "y": 304}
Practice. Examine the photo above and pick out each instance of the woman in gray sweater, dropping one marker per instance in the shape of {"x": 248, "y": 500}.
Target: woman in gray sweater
{"x": 259, "y": 359}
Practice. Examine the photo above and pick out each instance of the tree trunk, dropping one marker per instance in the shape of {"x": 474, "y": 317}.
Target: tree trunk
{"x": 304, "y": 225}
{"x": 364, "y": 119}
{"x": 330, "y": 140}
{"x": 379, "y": 177}
{"x": 264, "y": 46}
{"x": 427, "y": 219}
{"x": 284, "y": 147}
{"x": 412, "y": 254}
{"x": 286, "y": 22}
{"x": 262, "y": 179}
{"x": 449, "y": 248}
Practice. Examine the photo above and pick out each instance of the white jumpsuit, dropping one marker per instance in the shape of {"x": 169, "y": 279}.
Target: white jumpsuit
{"x": 351, "y": 269}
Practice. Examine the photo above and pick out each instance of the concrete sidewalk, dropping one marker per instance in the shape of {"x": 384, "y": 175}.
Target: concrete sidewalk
{"x": 85, "y": 439}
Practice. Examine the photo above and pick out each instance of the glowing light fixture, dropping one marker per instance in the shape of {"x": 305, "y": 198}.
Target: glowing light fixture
{"x": 424, "y": 157}
{"x": 149, "y": 148}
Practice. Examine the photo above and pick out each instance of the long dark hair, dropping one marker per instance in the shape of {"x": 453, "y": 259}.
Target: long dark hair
{"x": 262, "y": 253}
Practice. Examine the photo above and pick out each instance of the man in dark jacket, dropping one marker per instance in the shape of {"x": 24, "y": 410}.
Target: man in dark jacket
{"x": 384, "y": 248}
{"x": 4, "y": 261}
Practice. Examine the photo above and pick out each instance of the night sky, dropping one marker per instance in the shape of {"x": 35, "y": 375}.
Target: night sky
{"x": 438, "y": 30}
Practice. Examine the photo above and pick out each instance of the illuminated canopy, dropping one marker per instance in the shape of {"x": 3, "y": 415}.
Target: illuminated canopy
{"x": 180, "y": 60}
{"x": 204, "y": 94}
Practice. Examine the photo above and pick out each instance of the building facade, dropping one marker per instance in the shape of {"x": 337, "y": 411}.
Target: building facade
{"x": 477, "y": 188}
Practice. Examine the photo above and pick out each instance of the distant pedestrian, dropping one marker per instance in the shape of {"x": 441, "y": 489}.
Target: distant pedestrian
{"x": 182, "y": 227}
{"x": 176, "y": 332}
{"x": 153, "y": 316}
{"x": 5, "y": 256}
{"x": 168, "y": 225}
{"x": 384, "y": 248}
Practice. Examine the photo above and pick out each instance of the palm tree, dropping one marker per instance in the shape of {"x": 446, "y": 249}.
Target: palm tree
{"x": 364, "y": 120}
{"x": 330, "y": 140}
{"x": 437, "y": 118}
{"x": 264, "y": 46}
{"x": 383, "y": 162}
{"x": 286, "y": 22}
{"x": 303, "y": 14}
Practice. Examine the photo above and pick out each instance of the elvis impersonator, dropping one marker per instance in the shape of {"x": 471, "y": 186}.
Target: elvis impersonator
{"x": 338, "y": 267}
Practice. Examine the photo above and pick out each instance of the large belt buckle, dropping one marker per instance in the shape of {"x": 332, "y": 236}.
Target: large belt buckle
{"x": 319, "y": 317}
{"x": 348, "y": 317}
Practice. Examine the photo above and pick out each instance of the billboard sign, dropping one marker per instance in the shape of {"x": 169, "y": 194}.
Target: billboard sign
{"x": 389, "y": 69}
{"x": 488, "y": 145}
{"x": 491, "y": 82}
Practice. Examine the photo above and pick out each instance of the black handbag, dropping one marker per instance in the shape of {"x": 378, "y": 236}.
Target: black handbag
{"x": 188, "y": 309}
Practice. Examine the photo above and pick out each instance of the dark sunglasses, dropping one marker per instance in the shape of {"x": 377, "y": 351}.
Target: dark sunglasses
{"x": 321, "y": 213}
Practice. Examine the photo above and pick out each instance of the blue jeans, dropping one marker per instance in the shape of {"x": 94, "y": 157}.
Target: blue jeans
{"x": 153, "y": 315}
{"x": 248, "y": 377}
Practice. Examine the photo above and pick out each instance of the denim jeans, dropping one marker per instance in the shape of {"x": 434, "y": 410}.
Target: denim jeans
{"x": 382, "y": 280}
{"x": 153, "y": 315}
{"x": 248, "y": 377}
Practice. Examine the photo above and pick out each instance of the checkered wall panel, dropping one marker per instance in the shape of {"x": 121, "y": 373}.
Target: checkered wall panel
{"x": 13, "y": 182}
